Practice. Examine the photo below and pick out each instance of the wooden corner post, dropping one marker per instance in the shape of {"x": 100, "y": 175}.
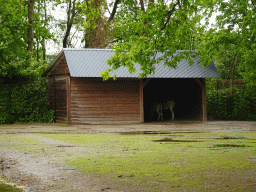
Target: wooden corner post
{"x": 204, "y": 100}
{"x": 68, "y": 96}
{"x": 203, "y": 86}
{"x": 141, "y": 102}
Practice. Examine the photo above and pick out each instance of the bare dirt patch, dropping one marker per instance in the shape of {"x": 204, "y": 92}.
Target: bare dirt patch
{"x": 39, "y": 173}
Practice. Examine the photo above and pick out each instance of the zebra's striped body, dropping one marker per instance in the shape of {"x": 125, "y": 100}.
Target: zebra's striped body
{"x": 169, "y": 104}
{"x": 160, "y": 107}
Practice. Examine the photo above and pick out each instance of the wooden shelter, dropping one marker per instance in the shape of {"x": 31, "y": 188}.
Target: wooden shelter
{"x": 79, "y": 95}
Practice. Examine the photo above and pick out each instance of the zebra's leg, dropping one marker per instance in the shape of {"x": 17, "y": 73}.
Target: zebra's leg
{"x": 172, "y": 114}
{"x": 162, "y": 115}
{"x": 159, "y": 112}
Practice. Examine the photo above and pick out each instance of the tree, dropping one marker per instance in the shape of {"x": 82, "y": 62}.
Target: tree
{"x": 227, "y": 62}
{"x": 71, "y": 12}
{"x": 88, "y": 16}
{"x": 145, "y": 28}
{"x": 30, "y": 27}
{"x": 41, "y": 29}
{"x": 17, "y": 64}
{"x": 236, "y": 26}
{"x": 98, "y": 27}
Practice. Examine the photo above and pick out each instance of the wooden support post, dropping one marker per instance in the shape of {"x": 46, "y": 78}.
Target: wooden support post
{"x": 141, "y": 102}
{"x": 203, "y": 86}
{"x": 204, "y": 100}
{"x": 68, "y": 96}
{"x": 146, "y": 82}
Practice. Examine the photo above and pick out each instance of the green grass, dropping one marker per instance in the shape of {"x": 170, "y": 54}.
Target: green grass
{"x": 8, "y": 188}
{"x": 223, "y": 158}
{"x": 140, "y": 159}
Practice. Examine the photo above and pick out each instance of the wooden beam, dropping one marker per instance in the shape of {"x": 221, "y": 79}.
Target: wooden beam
{"x": 68, "y": 96}
{"x": 146, "y": 82}
{"x": 199, "y": 82}
{"x": 204, "y": 100}
{"x": 141, "y": 102}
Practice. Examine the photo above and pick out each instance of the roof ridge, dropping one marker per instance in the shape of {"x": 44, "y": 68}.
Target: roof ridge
{"x": 87, "y": 49}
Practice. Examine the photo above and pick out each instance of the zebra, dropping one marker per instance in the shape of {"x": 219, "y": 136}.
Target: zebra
{"x": 169, "y": 104}
{"x": 159, "y": 107}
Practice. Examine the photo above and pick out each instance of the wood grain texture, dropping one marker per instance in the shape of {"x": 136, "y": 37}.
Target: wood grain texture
{"x": 96, "y": 101}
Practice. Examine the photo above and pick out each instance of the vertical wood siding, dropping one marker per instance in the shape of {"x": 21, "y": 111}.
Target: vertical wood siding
{"x": 94, "y": 101}
{"x": 57, "y": 97}
{"x": 61, "y": 67}
{"x": 57, "y": 89}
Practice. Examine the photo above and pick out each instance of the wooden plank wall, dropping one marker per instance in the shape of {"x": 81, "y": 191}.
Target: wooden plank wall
{"x": 94, "y": 101}
{"x": 57, "y": 89}
{"x": 57, "y": 97}
{"x": 60, "y": 67}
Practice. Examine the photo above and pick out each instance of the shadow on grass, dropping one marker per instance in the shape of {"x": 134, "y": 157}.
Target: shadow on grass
{"x": 155, "y": 132}
{"x": 175, "y": 140}
{"x": 231, "y": 145}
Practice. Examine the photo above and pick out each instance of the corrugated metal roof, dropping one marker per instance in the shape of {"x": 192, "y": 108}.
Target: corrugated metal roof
{"x": 88, "y": 63}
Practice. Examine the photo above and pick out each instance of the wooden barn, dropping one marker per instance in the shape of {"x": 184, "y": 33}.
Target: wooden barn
{"x": 79, "y": 95}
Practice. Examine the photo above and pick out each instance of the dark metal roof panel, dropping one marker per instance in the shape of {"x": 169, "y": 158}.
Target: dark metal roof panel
{"x": 88, "y": 63}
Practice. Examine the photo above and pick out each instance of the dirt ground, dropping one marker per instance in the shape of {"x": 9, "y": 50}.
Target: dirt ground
{"x": 38, "y": 173}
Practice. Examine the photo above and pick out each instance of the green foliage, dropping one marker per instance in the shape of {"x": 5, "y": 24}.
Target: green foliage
{"x": 175, "y": 25}
{"x": 232, "y": 103}
{"x": 23, "y": 96}
{"x": 13, "y": 29}
{"x": 237, "y": 27}
{"x": 141, "y": 35}
{"x": 25, "y": 102}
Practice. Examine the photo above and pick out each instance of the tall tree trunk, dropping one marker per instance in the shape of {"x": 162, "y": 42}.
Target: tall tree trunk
{"x": 99, "y": 37}
{"x": 69, "y": 21}
{"x": 65, "y": 39}
{"x": 45, "y": 18}
{"x": 30, "y": 27}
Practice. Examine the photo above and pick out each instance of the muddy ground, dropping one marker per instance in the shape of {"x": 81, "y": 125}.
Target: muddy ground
{"x": 38, "y": 173}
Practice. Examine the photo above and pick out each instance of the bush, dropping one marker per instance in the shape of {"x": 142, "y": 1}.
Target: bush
{"x": 232, "y": 104}
{"x": 25, "y": 102}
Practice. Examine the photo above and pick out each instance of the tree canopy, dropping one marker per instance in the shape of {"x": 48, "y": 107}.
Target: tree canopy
{"x": 137, "y": 30}
{"x": 144, "y": 28}
{"x": 237, "y": 29}
{"x": 17, "y": 59}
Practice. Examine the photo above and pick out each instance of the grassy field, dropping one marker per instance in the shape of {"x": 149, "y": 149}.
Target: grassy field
{"x": 158, "y": 161}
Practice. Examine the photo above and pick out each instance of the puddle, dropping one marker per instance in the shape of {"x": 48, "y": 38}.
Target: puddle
{"x": 155, "y": 132}
{"x": 187, "y": 132}
{"x": 231, "y": 145}
{"x": 232, "y": 137}
{"x": 145, "y": 132}
{"x": 65, "y": 146}
{"x": 176, "y": 140}
{"x": 51, "y": 132}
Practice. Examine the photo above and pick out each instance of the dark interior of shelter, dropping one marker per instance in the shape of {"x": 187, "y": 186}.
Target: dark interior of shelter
{"x": 186, "y": 93}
